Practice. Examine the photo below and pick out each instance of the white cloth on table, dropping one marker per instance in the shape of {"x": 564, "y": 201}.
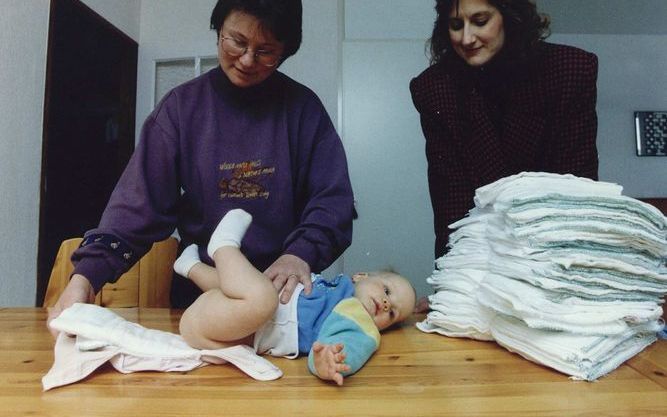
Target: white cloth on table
{"x": 98, "y": 335}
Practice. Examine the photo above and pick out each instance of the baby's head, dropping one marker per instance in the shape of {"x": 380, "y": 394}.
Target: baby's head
{"x": 388, "y": 297}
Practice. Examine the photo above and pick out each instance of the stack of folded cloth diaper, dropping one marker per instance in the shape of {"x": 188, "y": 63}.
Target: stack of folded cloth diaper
{"x": 562, "y": 270}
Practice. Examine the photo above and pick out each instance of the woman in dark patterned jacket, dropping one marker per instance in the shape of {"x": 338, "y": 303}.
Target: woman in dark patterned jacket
{"x": 498, "y": 100}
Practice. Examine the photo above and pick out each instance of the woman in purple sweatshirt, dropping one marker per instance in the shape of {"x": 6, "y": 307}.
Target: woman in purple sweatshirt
{"x": 240, "y": 136}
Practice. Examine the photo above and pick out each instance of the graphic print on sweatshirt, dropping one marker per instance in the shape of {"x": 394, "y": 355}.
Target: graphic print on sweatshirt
{"x": 244, "y": 179}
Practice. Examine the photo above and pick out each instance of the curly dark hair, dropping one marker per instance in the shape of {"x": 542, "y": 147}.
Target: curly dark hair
{"x": 283, "y": 18}
{"x": 524, "y": 27}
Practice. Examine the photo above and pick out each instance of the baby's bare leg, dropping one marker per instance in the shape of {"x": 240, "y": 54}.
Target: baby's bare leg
{"x": 245, "y": 299}
{"x": 190, "y": 266}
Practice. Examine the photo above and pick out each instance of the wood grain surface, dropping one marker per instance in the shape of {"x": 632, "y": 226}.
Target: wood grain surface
{"x": 413, "y": 374}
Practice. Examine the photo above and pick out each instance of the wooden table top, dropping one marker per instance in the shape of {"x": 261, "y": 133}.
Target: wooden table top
{"x": 413, "y": 374}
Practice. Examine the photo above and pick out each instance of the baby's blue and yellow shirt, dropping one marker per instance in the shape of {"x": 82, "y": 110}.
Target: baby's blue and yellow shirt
{"x": 331, "y": 314}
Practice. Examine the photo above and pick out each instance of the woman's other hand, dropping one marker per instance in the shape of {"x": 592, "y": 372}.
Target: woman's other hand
{"x": 78, "y": 290}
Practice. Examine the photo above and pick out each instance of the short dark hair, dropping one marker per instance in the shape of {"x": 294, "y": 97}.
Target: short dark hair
{"x": 283, "y": 18}
{"x": 524, "y": 27}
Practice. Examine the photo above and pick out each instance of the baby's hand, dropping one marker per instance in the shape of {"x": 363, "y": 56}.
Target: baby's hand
{"x": 329, "y": 362}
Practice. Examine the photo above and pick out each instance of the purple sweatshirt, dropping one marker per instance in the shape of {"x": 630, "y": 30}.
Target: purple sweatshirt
{"x": 209, "y": 147}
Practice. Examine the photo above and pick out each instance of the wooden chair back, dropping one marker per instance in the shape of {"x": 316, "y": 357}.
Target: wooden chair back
{"x": 146, "y": 284}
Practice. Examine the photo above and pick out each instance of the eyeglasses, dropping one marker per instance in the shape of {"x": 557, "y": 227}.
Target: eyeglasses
{"x": 236, "y": 49}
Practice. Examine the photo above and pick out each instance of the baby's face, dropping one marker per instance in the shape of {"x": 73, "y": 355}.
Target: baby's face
{"x": 388, "y": 298}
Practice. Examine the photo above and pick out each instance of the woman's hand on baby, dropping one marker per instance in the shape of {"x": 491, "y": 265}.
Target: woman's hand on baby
{"x": 78, "y": 290}
{"x": 329, "y": 362}
{"x": 286, "y": 272}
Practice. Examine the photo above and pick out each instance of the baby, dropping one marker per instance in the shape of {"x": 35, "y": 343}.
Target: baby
{"x": 337, "y": 324}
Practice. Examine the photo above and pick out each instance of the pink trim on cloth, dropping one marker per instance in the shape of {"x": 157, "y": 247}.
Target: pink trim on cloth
{"x": 102, "y": 336}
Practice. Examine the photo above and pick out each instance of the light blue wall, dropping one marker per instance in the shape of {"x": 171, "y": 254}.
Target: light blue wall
{"x": 385, "y": 151}
{"x": 632, "y": 75}
{"x": 606, "y": 17}
{"x": 23, "y": 33}
{"x": 383, "y": 50}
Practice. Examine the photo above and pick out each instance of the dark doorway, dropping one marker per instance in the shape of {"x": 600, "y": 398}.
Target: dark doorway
{"x": 89, "y": 120}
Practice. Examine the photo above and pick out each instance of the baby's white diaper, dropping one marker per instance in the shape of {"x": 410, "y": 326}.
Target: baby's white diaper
{"x": 280, "y": 336}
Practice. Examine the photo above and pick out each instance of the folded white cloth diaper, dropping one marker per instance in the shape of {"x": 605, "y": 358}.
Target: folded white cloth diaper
{"x": 91, "y": 335}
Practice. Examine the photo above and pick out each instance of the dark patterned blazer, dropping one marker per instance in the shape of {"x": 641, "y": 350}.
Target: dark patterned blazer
{"x": 482, "y": 124}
